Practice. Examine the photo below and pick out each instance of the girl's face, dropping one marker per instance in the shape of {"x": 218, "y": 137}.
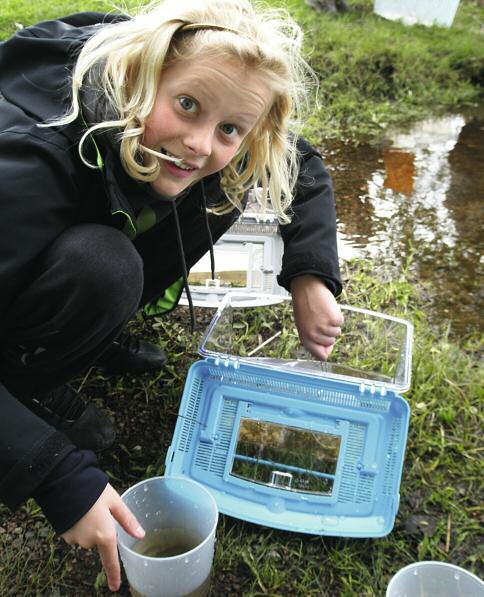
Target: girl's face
{"x": 203, "y": 111}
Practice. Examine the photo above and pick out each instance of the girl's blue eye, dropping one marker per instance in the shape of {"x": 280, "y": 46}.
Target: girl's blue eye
{"x": 229, "y": 129}
{"x": 187, "y": 104}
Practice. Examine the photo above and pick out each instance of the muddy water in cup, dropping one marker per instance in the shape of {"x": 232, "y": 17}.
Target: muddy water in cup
{"x": 200, "y": 591}
{"x": 167, "y": 543}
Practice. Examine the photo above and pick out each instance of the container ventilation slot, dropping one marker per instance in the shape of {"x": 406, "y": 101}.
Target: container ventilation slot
{"x": 191, "y": 415}
{"x": 376, "y": 404}
{"x": 392, "y": 455}
{"x": 353, "y": 453}
{"x": 277, "y": 386}
{"x": 203, "y": 455}
{"x": 364, "y": 493}
{"x": 212, "y": 457}
{"x": 267, "y": 286}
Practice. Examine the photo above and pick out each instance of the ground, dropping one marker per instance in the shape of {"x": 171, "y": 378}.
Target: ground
{"x": 439, "y": 518}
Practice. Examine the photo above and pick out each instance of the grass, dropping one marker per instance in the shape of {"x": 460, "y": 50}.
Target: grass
{"x": 440, "y": 514}
{"x": 372, "y": 73}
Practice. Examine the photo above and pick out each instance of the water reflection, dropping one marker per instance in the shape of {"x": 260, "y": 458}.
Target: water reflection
{"x": 400, "y": 170}
{"x": 421, "y": 189}
{"x": 286, "y": 457}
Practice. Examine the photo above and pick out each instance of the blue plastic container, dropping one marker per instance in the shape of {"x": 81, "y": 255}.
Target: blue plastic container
{"x": 293, "y": 443}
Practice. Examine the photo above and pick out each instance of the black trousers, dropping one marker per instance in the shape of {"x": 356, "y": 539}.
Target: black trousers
{"x": 83, "y": 290}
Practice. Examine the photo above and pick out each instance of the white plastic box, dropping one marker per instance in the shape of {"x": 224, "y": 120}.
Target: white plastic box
{"x": 423, "y": 12}
{"x": 248, "y": 258}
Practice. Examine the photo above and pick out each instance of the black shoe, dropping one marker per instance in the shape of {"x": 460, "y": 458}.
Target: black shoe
{"x": 86, "y": 426}
{"x": 129, "y": 354}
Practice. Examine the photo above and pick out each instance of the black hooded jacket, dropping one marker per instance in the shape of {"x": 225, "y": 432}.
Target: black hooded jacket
{"x": 45, "y": 189}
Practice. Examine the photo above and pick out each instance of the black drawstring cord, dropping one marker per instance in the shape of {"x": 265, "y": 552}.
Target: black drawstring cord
{"x": 184, "y": 267}
{"x": 209, "y": 232}
{"x": 182, "y": 252}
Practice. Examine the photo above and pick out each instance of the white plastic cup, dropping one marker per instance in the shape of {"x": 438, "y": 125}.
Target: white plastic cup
{"x": 434, "y": 579}
{"x": 162, "y": 504}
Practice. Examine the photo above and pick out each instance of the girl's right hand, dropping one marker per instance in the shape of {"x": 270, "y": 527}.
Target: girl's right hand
{"x": 317, "y": 315}
{"x": 96, "y": 529}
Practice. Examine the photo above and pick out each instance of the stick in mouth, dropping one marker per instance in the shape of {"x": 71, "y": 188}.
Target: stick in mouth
{"x": 177, "y": 161}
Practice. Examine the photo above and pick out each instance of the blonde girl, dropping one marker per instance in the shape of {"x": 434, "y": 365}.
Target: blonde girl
{"x": 128, "y": 146}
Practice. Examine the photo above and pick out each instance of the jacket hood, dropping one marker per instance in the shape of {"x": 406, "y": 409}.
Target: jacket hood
{"x": 35, "y": 75}
{"x": 36, "y": 63}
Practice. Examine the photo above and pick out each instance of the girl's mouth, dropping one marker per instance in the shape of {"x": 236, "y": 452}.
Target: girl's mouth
{"x": 177, "y": 162}
{"x": 175, "y": 166}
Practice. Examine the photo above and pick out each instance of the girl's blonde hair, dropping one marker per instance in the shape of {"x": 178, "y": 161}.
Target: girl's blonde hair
{"x": 132, "y": 54}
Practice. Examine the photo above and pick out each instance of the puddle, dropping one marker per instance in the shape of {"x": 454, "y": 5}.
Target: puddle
{"x": 421, "y": 189}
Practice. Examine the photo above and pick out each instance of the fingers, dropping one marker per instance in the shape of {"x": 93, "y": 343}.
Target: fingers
{"x": 319, "y": 351}
{"x": 324, "y": 336}
{"x": 108, "y": 549}
{"x": 337, "y": 319}
{"x": 97, "y": 528}
{"x": 324, "y": 352}
{"x": 330, "y": 332}
{"x": 126, "y": 518}
{"x": 108, "y": 553}
{"x": 317, "y": 315}
{"x": 320, "y": 342}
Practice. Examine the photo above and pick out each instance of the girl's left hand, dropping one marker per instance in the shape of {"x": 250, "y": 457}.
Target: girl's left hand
{"x": 96, "y": 529}
{"x": 317, "y": 315}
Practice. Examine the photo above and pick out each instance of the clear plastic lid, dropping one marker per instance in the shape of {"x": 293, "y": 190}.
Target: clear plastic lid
{"x": 374, "y": 349}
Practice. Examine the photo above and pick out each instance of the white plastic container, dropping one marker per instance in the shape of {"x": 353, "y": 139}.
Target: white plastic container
{"x": 434, "y": 579}
{"x": 180, "y": 517}
{"x": 424, "y": 12}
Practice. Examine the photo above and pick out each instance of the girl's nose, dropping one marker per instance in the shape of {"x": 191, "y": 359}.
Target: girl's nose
{"x": 199, "y": 141}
